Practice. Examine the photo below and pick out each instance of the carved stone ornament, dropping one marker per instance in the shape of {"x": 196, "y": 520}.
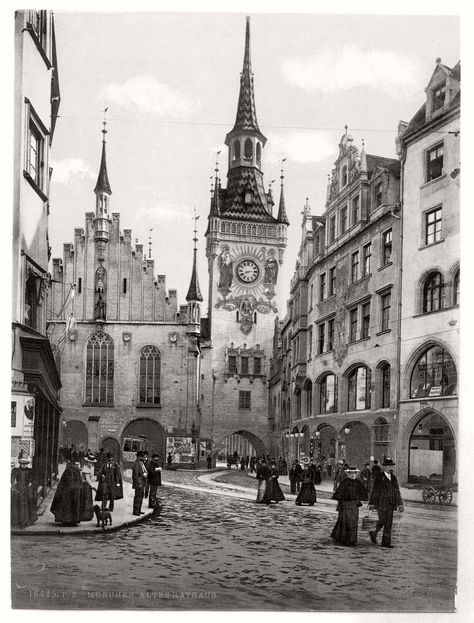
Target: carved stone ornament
{"x": 340, "y": 337}
{"x": 246, "y": 305}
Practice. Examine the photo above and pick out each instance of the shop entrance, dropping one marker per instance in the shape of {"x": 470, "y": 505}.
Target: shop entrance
{"x": 432, "y": 450}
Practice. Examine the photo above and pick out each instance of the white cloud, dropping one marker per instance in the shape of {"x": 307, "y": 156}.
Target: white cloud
{"x": 338, "y": 70}
{"x": 146, "y": 94}
{"x": 64, "y": 170}
{"x": 300, "y": 146}
{"x": 163, "y": 211}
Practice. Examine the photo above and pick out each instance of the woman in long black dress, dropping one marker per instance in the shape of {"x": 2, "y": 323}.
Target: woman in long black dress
{"x": 67, "y": 502}
{"x": 349, "y": 494}
{"x": 273, "y": 492}
{"x": 307, "y": 494}
{"x": 23, "y": 495}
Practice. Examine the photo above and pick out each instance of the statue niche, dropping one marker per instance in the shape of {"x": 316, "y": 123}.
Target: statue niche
{"x": 226, "y": 267}
{"x": 100, "y": 293}
{"x": 270, "y": 274}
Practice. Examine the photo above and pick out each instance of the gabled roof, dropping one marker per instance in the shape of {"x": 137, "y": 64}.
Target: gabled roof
{"x": 373, "y": 162}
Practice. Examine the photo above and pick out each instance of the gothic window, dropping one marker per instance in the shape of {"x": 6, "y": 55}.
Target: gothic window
{"x": 308, "y": 390}
{"x": 456, "y": 288}
{"x": 433, "y": 293}
{"x": 259, "y": 153}
{"x": 150, "y": 373}
{"x": 100, "y": 370}
{"x": 434, "y": 374}
{"x": 359, "y": 389}
{"x": 236, "y": 150}
{"x": 328, "y": 394}
{"x": 248, "y": 149}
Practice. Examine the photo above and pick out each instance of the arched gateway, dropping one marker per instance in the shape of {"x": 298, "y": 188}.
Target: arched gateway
{"x": 142, "y": 434}
{"x": 432, "y": 453}
{"x": 244, "y": 443}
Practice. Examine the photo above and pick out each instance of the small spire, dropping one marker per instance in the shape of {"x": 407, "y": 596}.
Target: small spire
{"x": 215, "y": 200}
{"x": 328, "y": 191}
{"x": 103, "y": 184}
{"x": 307, "y": 208}
{"x": 194, "y": 291}
{"x": 363, "y": 158}
{"x": 149, "y": 244}
{"x": 282, "y": 217}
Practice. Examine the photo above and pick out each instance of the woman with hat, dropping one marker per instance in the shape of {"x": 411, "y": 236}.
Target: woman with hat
{"x": 23, "y": 497}
{"x": 307, "y": 494}
{"x": 273, "y": 492}
{"x": 86, "y": 489}
{"x": 348, "y": 494}
{"x": 66, "y": 505}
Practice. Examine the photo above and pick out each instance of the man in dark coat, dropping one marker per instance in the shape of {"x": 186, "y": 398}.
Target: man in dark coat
{"x": 307, "y": 495}
{"x": 101, "y": 459}
{"x": 348, "y": 494}
{"x": 139, "y": 478}
{"x": 146, "y": 462}
{"x": 295, "y": 477}
{"x": 263, "y": 474}
{"x": 253, "y": 463}
{"x": 340, "y": 474}
{"x": 385, "y": 498}
{"x": 109, "y": 487}
{"x": 154, "y": 479}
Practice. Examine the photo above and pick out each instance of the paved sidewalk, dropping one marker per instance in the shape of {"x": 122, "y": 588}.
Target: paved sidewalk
{"x": 122, "y": 515}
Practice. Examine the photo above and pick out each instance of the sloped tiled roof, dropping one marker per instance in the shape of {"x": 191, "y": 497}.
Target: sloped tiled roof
{"x": 380, "y": 161}
{"x": 103, "y": 184}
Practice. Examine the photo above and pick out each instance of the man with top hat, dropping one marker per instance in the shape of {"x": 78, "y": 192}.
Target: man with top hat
{"x": 385, "y": 497}
{"x": 109, "y": 487}
{"x": 340, "y": 474}
{"x": 295, "y": 477}
{"x": 139, "y": 478}
{"x": 348, "y": 494}
{"x": 154, "y": 479}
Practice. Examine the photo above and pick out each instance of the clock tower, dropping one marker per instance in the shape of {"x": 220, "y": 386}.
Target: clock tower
{"x": 245, "y": 242}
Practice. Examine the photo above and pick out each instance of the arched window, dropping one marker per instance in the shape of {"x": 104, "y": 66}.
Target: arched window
{"x": 434, "y": 374}
{"x": 259, "y": 153}
{"x": 456, "y": 288}
{"x": 308, "y": 389}
{"x": 236, "y": 150}
{"x": 328, "y": 394}
{"x": 100, "y": 370}
{"x": 359, "y": 389}
{"x": 150, "y": 368}
{"x": 433, "y": 293}
{"x": 385, "y": 386}
{"x": 298, "y": 403}
{"x": 248, "y": 149}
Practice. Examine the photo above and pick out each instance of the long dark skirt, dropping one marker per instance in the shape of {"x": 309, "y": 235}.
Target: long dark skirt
{"x": 66, "y": 506}
{"x": 23, "y": 507}
{"x": 262, "y": 485}
{"x": 273, "y": 492}
{"x": 345, "y": 530}
{"x": 86, "y": 502}
{"x": 307, "y": 495}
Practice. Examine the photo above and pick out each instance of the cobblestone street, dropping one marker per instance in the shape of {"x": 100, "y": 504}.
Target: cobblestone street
{"x": 209, "y": 551}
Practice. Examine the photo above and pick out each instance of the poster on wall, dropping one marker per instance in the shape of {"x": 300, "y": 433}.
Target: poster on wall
{"x": 22, "y": 416}
{"x": 182, "y": 449}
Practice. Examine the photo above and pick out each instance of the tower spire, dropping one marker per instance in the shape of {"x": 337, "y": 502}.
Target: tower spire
{"x": 103, "y": 185}
{"x": 282, "y": 217}
{"x": 194, "y": 291}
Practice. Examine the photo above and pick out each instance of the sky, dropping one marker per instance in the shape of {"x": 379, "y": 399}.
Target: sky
{"x": 170, "y": 82}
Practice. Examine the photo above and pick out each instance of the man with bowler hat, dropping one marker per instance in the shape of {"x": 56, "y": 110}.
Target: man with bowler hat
{"x": 385, "y": 498}
{"x": 139, "y": 478}
{"x": 154, "y": 479}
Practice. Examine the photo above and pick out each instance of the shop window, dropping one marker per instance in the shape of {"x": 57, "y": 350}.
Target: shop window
{"x": 434, "y": 374}
{"x": 150, "y": 371}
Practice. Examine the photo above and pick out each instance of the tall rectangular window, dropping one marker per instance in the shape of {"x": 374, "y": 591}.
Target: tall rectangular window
{"x": 343, "y": 220}
{"x": 232, "y": 364}
{"x": 385, "y": 303}
{"x": 257, "y": 365}
{"x": 244, "y": 365}
{"x": 355, "y": 210}
{"x": 386, "y": 247}
{"x": 332, "y": 281}
{"x": 332, "y": 229}
{"x": 439, "y": 95}
{"x": 79, "y": 285}
{"x": 365, "y": 320}
{"x": 149, "y": 391}
{"x": 124, "y": 288}
{"x": 310, "y": 342}
{"x": 244, "y": 400}
{"x": 353, "y": 318}
{"x": 434, "y": 162}
{"x": 35, "y": 149}
{"x": 330, "y": 339}
{"x": 321, "y": 332}
{"x": 433, "y": 221}
{"x": 322, "y": 286}
{"x": 355, "y": 266}
{"x": 311, "y": 297}
{"x": 367, "y": 256}
{"x": 378, "y": 195}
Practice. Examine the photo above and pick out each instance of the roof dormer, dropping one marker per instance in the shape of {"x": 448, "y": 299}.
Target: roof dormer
{"x": 442, "y": 89}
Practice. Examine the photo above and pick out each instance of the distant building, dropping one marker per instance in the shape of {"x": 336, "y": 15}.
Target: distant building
{"x": 129, "y": 361}
{"x": 245, "y": 246}
{"x": 35, "y": 407}
{"x": 429, "y": 147}
{"x": 339, "y": 387}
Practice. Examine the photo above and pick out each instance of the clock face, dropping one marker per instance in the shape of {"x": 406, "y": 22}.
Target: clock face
{"x": 247, "y": 271}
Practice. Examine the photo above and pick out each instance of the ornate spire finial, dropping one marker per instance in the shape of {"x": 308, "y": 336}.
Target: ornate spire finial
{"x": 103, "y": 184}
{"x": 104, "y": 123}
{"x": 149, "y": 243}
{"x": 194, "y": 291}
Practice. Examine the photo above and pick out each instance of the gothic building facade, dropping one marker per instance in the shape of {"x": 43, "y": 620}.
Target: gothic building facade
{"x": 246, "y": 238}
{"x": 128, "y": 359}
{"x": 35, "y": 406}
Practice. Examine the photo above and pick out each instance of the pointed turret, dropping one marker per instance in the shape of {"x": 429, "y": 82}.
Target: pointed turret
{"x": 102, "y": 192}
{"x": 363, "y": 159}
{"x": 282, "y": 217}
{"x": 194, "y": 291}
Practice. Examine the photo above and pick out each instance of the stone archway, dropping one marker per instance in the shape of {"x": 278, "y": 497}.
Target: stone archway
{"x": 244, "y": 443}
{"x": 432, "y": 449}
{"x": 110, "y": 444}
{"x": 75, "y": 433}
{"x": 355, "y": 444}
{"x": 142, "y": 434}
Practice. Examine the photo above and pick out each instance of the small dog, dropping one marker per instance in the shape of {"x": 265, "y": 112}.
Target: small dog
{"x": 103, "y": 516}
